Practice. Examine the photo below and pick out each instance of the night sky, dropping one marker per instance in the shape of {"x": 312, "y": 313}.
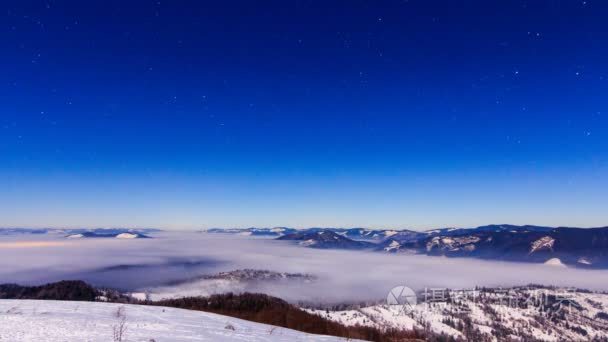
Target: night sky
{"x": 403, "y": 114}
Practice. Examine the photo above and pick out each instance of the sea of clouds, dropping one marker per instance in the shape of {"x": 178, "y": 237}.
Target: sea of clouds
{"x": 174, "y": 257}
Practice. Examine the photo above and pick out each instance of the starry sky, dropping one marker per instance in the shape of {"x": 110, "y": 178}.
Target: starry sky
{"x": 401, "y": 114}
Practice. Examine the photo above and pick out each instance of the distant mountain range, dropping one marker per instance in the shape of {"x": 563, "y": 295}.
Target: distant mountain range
{"x": 351, "y": 233}
{"x": 581, "y": 247}
{"x": 277, "y": 231}
{"x": 77, "y": 233}
{"x": 125, "y": 235}
{"x": 571, "y": 246}
{"x": 326, "y": 239}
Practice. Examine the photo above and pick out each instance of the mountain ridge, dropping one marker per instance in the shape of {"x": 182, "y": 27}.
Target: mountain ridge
{"x": 571, "y": 246}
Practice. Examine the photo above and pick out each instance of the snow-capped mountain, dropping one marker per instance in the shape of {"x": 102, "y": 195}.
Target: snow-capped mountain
{"x": 571, "y": 246}
{"x": 271, "y": 232}
{"x": 360, "y": 233}
{"x": 579, "y": 247}
{"x": 512, "y": 228}
{"x": 102, "y": 234}
{"x": 351, "y": 233}
{"x": 74, "y": 233}
{"x": 377, "y": 234}
{"x": 237, "y": 281}
{"x": 326, "y": 239}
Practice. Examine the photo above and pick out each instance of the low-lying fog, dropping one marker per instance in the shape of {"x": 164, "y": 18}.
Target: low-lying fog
{"x": 342, "y": 275}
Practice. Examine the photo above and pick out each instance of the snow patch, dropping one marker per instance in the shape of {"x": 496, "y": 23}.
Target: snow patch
{"x": 555, "y": 262}
{"x": 392, "y": 246}
{"x": 584, "y": 261}
{"x": 308, "y": 242}
{"x": 126, "y": 236}
{"x": 546, "y": 242}
{"x": 453, "y": 243}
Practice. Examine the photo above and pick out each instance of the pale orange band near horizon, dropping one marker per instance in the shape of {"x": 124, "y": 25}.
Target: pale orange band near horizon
{"x": 31, "y": 244}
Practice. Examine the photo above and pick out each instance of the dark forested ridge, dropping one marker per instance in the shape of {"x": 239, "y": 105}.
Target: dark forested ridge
{"x": 249, "y": 306}
{"x": 64, "y": 290}
{"x": 262, "y": 308}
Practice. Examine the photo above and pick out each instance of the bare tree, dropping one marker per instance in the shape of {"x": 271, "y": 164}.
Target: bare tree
{"x": 119, "y": 329}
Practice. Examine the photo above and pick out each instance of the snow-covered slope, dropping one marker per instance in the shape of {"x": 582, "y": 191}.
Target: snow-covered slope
{"x": 32, "y": 320}
{"x": 523, "y": 314}
{"x": 237, "y": 281}
{"x": 127, "y": 236}
{"x": 75, "y": 236}
{"x": 544, "y": 243}
{"x": 109, "y": 234}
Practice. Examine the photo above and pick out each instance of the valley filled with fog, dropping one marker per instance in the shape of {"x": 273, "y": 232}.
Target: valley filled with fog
{"x": 173, "y": 262}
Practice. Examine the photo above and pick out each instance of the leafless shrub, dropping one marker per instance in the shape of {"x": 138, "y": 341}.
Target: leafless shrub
{"x": 119, "y": 329}
{"x": 120, "y": 312}
{"x": 14, "y": 311}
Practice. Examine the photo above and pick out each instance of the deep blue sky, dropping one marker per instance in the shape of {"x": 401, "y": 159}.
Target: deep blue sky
{"x": 303, "y": 113}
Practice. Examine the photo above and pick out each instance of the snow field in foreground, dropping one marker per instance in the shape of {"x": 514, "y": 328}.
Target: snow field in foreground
{"x": 42, "y": 320}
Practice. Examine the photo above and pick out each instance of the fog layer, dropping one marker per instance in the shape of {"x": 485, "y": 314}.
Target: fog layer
{"x": 342, "y": 275}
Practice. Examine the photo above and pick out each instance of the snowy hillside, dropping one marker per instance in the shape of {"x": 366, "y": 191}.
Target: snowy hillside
{"x": 525, "y": 314}
{"x": 31, "y": 320}
{"x": 239, "y": 281}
